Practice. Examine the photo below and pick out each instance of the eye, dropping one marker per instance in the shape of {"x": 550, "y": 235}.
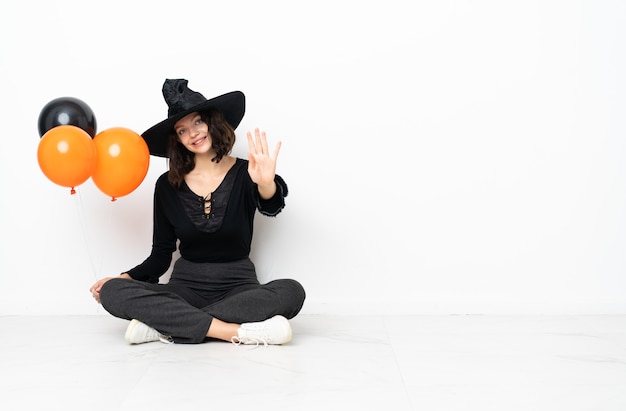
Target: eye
{"x": 181, "y": 131}
{"x": 199, "y": 121}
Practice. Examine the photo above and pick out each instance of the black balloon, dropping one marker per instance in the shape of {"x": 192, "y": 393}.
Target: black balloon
{"x": 67, "y": 111}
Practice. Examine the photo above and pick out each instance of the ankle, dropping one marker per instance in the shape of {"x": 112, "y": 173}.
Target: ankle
{"x": 222, "y": 330}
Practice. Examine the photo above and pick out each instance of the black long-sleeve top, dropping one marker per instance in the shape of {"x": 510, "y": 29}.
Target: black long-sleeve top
{"x": 225, "y": 234}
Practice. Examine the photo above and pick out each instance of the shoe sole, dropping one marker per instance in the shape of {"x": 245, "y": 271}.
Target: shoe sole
{"x": 129, "y": 331}
{"x": 286, "y": 326}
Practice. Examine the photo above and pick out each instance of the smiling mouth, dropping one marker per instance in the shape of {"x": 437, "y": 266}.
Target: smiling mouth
{"x": 198, "y": 141}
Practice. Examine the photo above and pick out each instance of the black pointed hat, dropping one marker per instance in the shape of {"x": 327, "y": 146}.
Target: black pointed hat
{"x": 181, "y": 101}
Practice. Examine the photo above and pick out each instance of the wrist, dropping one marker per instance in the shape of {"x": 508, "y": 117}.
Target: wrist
{"x": 267, "y": 191}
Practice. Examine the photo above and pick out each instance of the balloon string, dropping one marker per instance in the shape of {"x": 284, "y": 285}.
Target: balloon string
{"x": 96, "y": 272}
{"x": 81, "y": 217}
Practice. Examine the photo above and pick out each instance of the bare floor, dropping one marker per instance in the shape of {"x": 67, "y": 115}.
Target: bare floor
{"x": 333, "y": 363}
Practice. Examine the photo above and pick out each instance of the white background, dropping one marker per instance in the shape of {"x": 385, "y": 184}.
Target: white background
{"x": 442, "y": 156}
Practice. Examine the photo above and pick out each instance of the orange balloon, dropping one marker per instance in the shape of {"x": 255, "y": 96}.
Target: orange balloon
{"x": 122, "y": 162}
{"x": 67, "y": 155}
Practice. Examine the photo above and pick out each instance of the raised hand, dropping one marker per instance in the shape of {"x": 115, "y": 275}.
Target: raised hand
{"x": 262, "y": 166}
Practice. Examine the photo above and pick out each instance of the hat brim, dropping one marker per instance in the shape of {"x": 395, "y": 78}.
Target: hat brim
{"x": 232, "y": 105}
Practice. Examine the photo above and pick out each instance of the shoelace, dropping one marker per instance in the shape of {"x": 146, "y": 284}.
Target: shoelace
{"x": 256, "y": 341}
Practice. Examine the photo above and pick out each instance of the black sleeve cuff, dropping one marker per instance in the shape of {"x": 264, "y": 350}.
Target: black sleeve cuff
{"x": 273, "y": 206}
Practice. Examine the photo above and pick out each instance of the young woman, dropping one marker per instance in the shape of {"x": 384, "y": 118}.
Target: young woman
{"x": 206, "y": 204}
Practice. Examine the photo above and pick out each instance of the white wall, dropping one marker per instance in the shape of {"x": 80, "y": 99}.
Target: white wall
{"x": 442, "y": 156}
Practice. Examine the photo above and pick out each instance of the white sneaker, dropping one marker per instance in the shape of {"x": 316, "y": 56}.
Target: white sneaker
{"x": 275, "y": 330}
{"x": 138, "y": 333}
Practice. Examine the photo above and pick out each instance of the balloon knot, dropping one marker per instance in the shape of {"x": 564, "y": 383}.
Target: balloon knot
{"x": 72, "y": 191}
{"x": 113, "y": 199}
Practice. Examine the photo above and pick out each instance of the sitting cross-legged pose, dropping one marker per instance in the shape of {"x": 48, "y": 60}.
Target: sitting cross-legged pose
{"x": 205, "y": 203}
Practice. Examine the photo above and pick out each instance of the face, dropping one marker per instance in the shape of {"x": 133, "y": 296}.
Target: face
{"x": 193, "y": 133}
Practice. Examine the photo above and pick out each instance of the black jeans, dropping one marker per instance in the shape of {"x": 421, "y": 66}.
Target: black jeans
{"x": 198, "y": 292}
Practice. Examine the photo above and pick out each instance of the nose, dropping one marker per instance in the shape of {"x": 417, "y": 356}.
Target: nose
{"x": 195, "y": 129}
